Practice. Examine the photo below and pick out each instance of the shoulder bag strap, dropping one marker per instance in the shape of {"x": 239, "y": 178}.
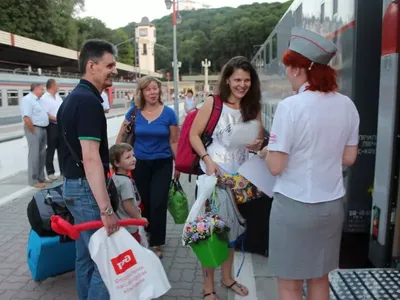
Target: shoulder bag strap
{"x": 78, "y": 162}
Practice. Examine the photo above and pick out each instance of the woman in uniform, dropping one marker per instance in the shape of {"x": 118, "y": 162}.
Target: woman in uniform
{"x": 314, "y": 134}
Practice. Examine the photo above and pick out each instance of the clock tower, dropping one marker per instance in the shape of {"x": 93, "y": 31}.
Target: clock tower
{"x": 145, "y": 33}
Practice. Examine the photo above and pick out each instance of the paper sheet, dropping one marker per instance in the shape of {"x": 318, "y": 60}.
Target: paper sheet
{"x": 255, "y": 170}
{"x": 243, "y": 134}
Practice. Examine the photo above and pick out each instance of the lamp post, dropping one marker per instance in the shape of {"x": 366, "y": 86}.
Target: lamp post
{"x": 179, "y": 66}
{"x": 176, "y": 19}
{"x": 206, "y": 64}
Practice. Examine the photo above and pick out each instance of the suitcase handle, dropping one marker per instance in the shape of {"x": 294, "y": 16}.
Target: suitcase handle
{"x": 62, "y": 227}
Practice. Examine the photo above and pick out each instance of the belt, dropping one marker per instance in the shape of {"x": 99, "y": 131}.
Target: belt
{"x": 44, "y": 127}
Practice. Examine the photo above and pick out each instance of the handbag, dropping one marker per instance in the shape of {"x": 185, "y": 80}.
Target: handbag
{"x": 178, "y": 205}
{"x": 243, "y": 190}
{"x": 128, "y": 136}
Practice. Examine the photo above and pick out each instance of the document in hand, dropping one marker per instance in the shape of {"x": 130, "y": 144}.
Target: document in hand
{"x": 255, "y": 170}
{"x": 243, "y": 134}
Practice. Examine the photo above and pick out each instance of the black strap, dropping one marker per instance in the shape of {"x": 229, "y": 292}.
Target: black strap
{"x": 130, "y": 127}
{"x": 78, "y": 162}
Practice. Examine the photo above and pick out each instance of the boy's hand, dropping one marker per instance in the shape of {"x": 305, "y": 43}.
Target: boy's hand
{"x": 144, "y": 219}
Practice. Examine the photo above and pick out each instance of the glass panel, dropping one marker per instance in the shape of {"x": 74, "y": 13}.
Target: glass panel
{"x": 274, "y": 46}
{"x": 12, "y": 97}
{"x": 25, "y": 92}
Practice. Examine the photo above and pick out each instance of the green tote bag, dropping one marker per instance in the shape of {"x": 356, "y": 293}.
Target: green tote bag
{"x": 178, "y": 205}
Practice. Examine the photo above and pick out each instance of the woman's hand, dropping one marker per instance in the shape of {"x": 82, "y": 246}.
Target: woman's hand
{"x": 256, "y": 145}
{"x": 211, "y": 167}
{"x": 177, "y": 175}
{"x": 263, "y": 153}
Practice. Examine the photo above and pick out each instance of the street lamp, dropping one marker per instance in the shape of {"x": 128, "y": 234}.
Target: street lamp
{"x": 176, "y": 19}
{"x": 206, "y": 64}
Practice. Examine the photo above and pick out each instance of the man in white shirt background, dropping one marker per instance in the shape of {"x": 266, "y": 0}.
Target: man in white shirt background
{"x": 35, "y": 121}
{"x": 106, "y": 103}
{"x": 51, "y": 102}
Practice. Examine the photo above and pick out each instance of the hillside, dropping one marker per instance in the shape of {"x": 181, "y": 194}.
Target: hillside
{"x": 216, "y": 34}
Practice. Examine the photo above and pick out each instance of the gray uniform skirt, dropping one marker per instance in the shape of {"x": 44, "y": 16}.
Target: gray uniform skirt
{"x": 304, "y": 239}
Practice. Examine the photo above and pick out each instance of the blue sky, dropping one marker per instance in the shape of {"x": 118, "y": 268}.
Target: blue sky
{"x": 117, "y": 13}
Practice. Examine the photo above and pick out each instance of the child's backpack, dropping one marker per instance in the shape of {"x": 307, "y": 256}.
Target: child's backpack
{"x": 187, "y": 160}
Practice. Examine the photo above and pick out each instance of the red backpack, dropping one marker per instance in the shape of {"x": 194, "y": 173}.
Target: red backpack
{"x": 187, "y": 160}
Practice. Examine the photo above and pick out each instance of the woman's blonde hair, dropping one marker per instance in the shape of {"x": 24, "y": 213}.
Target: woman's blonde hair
{"x": 143, "y": 83}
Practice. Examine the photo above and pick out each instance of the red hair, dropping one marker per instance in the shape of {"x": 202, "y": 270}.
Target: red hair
{"x": 321, "y": 77}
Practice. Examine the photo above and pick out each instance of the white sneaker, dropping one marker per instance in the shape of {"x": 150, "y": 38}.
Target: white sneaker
{"x": 52, "y": 177}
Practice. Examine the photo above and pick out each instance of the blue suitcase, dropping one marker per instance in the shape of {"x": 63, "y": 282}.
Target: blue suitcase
{"x": 48, "y": 256}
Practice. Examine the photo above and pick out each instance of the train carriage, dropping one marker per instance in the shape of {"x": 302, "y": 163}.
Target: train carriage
{"x": 367, "y": 35}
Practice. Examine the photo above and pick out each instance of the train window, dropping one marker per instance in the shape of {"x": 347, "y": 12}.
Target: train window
{"x": 12, "y": 97}
{"x": 298, "y": 15}
{"x": 274, "y": 46}
{"x": 322, "y": 15}
{"x": 25, "y": 92}
{"x": 335, "y": 7}
{"x": 62, "y": 94}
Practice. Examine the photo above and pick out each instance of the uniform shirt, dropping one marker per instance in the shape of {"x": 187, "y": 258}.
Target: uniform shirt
{"x": 81, "y": 117}
{"x": 152, "y": 138}
{"x": 32, "y": 107}
{"x": 313, "y": 128}
{"x": 51, "y": 104}
{"x": 127, "y": 191}
{"x": 106, "y": 103}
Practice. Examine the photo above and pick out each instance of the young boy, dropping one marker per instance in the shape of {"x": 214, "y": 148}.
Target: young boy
{"x": 123, "y": 161}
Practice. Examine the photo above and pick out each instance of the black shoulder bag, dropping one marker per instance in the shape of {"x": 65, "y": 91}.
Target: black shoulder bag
{"x": 128, "y": 135}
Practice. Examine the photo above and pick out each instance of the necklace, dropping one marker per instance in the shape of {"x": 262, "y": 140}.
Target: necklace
{"x": 151, "y": 111}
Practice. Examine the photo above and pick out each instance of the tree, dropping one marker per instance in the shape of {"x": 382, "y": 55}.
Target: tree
{"x": 125, "y": 50}
{"x": 44, "y": 20}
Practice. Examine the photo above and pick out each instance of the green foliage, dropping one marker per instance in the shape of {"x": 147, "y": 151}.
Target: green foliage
{"x": 216, "y": 34}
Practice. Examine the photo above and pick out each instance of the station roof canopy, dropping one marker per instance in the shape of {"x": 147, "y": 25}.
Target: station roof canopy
{"x": 22, "y": 52}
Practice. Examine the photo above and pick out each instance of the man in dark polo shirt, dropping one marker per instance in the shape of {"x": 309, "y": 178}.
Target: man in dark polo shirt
{"x": 86, "y": 161}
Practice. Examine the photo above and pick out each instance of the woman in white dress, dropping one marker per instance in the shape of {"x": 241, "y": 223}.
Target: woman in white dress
{"x": 239, "y": 90}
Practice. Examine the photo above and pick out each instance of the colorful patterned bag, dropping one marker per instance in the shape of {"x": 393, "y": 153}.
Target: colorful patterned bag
{"x": 242, "y": 189}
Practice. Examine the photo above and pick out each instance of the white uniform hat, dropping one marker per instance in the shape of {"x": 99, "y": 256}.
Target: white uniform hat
{"x": 312, "y": 45}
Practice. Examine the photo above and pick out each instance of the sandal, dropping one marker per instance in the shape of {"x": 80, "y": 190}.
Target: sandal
{"x": 237, "y": 288}
{"x": 157, "y": 251}
{"x": 213, "y": 295}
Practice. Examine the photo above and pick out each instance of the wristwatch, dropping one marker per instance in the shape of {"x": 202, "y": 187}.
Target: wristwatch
{"x": 108, "y": 212}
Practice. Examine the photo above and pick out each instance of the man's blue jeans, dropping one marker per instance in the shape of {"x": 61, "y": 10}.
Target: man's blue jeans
{"x": 80, "y": 201}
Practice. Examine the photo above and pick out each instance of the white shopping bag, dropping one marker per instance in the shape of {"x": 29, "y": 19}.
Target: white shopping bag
{"x": 128, "y": 270}
{"x": 205, "y": 188}
{"x": 143, "y": 237}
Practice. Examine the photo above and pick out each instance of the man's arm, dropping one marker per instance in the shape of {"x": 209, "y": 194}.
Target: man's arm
{"x": 29, "y": 124}
{"x": 52, "y": 119}
{"x": 26, "y": 112}
{"x": 90, "y": 128}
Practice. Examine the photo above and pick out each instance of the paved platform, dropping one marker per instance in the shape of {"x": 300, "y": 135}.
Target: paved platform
{"x": 15, "y": 130}
{"x": 183, "y": 269}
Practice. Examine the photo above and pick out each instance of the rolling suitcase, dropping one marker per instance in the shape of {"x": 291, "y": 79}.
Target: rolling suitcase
{"x": 49, "y": 256}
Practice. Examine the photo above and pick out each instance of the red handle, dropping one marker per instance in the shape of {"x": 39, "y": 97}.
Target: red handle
{"x": 62, "y": 227}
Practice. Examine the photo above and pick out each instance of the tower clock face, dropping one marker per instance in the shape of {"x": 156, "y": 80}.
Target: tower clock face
{"x": 143, "y": 32}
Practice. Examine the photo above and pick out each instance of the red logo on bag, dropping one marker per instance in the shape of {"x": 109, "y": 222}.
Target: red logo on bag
{"x": 123, "y": 262}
